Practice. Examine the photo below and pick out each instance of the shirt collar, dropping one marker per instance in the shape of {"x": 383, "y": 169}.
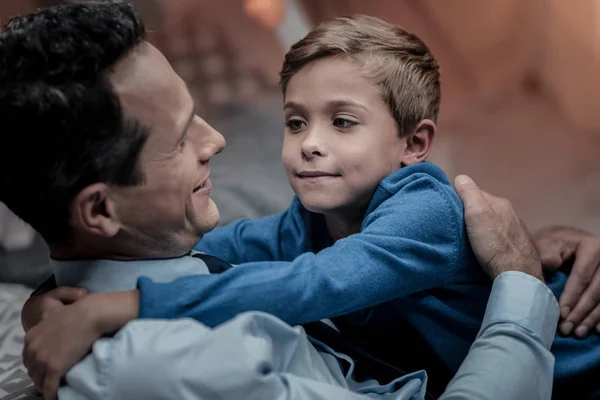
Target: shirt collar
{"x": 111, "y": 275}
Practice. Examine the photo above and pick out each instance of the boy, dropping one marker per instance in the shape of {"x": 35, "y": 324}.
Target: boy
{"x": 375, "y": 239}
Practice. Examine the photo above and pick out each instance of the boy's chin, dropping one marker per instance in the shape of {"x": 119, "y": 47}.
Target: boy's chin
{"x": 322, "y": 206}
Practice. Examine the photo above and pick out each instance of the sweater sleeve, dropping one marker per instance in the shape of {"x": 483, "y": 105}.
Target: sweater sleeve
{"x": 263, "y": 239}
{"x": 411, "y": 242}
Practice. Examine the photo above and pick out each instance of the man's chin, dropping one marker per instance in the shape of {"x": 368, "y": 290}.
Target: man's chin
{"x": 208, "y": 219}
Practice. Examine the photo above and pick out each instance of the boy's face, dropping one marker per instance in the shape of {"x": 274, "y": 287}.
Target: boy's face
{"x": 340, "y": 137}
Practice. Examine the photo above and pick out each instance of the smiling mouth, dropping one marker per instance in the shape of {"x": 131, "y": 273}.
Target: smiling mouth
{"x": 201, "y": 186}
{"x": 315, "y": 174}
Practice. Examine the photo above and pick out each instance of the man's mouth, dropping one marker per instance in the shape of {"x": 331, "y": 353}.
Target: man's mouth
{"x": 204, "y": 184}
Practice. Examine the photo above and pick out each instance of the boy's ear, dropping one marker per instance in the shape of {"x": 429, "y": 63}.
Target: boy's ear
{"x": 93, "y": 211}
{"x": 419, "y": 142}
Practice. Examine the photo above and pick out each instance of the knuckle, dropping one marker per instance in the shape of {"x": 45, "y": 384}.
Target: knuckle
{"x": 584, "y": 275}
{"x": 475, "y": 211}
{"x": 48, "y": 388}
{"x": 594, "y": 294}
{"x": 54, "y": 367}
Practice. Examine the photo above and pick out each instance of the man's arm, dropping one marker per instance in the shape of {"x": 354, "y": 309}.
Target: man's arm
{"x": 511, "y": 358}
{"x": 253, "y": 357}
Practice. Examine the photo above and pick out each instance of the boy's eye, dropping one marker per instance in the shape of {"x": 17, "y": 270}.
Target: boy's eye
{"x": 295, "y": 124}
{"x": 343, "y": 123}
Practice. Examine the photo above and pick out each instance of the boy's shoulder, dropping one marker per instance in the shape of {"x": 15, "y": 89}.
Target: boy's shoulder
{"x": 422, "y": 182}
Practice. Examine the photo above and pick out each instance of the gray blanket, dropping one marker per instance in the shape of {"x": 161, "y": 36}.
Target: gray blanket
{"x": 14, "y": 382}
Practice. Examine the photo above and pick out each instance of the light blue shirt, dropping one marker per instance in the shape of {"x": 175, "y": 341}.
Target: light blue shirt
{"x": 257, "y": 356}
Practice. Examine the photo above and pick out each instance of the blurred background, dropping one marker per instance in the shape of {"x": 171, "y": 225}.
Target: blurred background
{"x": 520, "y": 99}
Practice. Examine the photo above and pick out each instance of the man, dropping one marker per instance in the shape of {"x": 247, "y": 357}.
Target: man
{"x": 117, "y": 182}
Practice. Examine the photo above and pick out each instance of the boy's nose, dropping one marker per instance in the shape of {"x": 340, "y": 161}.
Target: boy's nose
{"x": 313, "y": 147}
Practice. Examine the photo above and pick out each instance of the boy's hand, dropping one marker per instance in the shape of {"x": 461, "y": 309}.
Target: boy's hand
{"x": 499, "y": 239}
{"x": 66, "y": 334}
{"x": 40, "y": 304}
{"x": 580, "y": 299}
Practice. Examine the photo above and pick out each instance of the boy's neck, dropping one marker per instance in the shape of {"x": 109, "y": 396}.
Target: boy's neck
{"x": 340, "y": 227}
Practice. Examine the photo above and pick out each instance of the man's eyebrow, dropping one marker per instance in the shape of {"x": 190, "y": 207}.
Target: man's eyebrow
{"x": 187, "y": 125}
{"x": 190, "y": 118}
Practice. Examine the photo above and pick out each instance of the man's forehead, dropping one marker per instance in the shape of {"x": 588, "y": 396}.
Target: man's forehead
{"x": 148, "y": 87}
{"x": 143, "y": 68}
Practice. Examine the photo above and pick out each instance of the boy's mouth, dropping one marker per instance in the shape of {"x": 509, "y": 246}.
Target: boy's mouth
{"x": 316, "y": 174}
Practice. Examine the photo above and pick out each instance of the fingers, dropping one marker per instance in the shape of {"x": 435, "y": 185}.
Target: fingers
{"x": 471, "y": 195}
{"x": 68, "y": 295}
{"x": 551, "y": 258}
{"x": 582, "y": 274}
{"x": 467, "y": 189}
{"x": 32, "y": 359}
{"x": 44, "y": 372}
{"x": 589, "y": 324}
{"x": 586, "y": 305}
{"x": 51, "y": 383}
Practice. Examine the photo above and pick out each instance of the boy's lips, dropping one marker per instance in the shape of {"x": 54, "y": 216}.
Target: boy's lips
{"x": 316, "y": 174}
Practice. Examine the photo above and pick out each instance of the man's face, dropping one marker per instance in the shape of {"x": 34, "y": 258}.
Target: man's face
{"x": 172, "y": 207}
{"x": 340, "y": 137}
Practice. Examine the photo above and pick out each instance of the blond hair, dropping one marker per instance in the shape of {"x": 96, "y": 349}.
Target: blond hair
{"x": 397, "y": 61}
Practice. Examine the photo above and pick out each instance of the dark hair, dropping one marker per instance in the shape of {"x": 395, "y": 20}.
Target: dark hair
{"x": 62, "y": 127}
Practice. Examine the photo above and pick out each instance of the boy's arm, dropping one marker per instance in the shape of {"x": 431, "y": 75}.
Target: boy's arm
{"x": 262, "y": 239}
{"x": 412, "y": 242}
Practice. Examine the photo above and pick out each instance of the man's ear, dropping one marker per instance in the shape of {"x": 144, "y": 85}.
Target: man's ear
{"x": 93, "y": 211}
{"x": 419, "y": 142}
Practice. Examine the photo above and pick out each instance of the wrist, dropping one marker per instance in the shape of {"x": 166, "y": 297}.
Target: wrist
{"x": 111, "y": 311}
{"x": 533, "y": 269}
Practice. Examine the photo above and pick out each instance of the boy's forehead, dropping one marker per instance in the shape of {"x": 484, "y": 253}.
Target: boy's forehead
{"x": 332, "y": 80}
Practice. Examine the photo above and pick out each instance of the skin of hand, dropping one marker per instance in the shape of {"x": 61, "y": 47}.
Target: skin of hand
{"x": 499, "y": 239}
{"x": 41, "y": 304}
{"x": 66, "y": 333}
{"x": 562, "y": 247}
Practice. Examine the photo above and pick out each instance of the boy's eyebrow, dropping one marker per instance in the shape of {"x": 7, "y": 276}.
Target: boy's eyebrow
{"x": 291, "y": 104}
{"x": 330, "y": 104}
{"x": 345, "y": 103}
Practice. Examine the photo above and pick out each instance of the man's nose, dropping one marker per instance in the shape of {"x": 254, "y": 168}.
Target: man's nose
{"x": 211, "y": 142}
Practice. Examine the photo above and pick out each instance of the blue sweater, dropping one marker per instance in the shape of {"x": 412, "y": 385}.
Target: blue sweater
{"x": 407, "y": 287}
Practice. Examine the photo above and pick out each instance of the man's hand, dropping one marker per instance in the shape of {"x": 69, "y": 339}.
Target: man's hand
{"x": 39, "y": 305}
{"x": 499, "y": 239}
{"x": 580, "y": 299}
{"x": 66, "y": 334}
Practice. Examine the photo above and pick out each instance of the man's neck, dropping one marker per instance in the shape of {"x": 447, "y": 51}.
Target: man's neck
{"x": 70, "y": 251}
